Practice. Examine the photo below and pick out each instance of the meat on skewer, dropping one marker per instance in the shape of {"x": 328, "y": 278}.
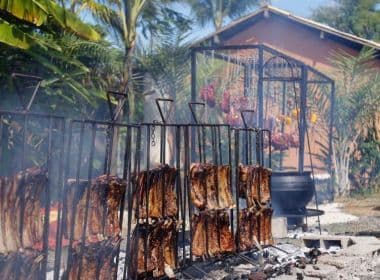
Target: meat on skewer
{"x": 20, "y": 203}
{"x": 248, "y": 229}
{"x": 106, "y": 193}
{"x": 158, "y": 243}
{"x": 95, "y": 262}
{"x": 224, "y": 187}
{"x": 24, "y": 265}
{"x": 211, "y": 234}
{"x": 158, "y": 185}
{"x": 210, "y": 186}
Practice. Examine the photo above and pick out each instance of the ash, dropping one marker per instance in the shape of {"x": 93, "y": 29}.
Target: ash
{"x": 296, "y": 261}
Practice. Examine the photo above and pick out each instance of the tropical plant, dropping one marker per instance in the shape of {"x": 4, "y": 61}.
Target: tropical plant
{"x": 217, "y": 12}
{"x": 42, "y": 38}
{"x": 357, "y": 104}
{"x": 122, "y": 20}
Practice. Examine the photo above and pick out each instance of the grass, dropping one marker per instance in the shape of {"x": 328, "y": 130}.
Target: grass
{"x": 363, "y": 205}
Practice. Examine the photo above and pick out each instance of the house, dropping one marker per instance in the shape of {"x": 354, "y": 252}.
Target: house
{"x": 308, "y": 41}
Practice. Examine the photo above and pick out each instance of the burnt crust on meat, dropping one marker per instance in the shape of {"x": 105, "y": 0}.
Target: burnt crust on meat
{"x": 210, "y": 186}
{"x": 21, "y": 203}
{"x": 158, "y": 185}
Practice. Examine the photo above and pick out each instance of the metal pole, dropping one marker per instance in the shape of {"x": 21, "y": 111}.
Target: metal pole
{"x": 302, "y": 118}
{"x": 329, "y": 167}
{"x": 260, "y": 87}
{"x": 193, "y": 97}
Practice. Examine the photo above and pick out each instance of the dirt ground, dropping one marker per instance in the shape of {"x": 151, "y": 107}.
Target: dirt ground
{"x": 362, "y": 206}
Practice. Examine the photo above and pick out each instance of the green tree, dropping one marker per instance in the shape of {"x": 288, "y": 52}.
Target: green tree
{"x": 358, "y": 17}
{"x": 123, "y": 20}
{"x": 42, "y": 38}
{"x": 357, "y": 102}
{"x": 217, "y": 12}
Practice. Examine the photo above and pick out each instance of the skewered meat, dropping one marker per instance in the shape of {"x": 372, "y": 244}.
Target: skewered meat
{"x": 248, "y": 228}
{"x": 226, "y": 238}
{"x": 264, "y": 184}
{"x": 140, "y": 239}
{"x": 105, "y": 196}
{"x": 158, "y": 186}
{"x": 20, "y": 203}
{"x": 95, "y": 262}
{"x": 203, "y": 187}
{"x": 254, "y": 184}
{"x": 198, "y": 244}
{"x": 266, "y": 227}
{"x": 249, "y": 183}
{"x": 160, "y": 242}
{"x": 21, "y": 265}
{"x": 210, "y": 186}
{"x": 225, "y": 195}
{"x": 211, "y": 234}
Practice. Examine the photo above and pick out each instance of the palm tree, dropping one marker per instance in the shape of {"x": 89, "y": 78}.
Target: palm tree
{"x": 122, "y": 18}
{"x": 218, "y": 11}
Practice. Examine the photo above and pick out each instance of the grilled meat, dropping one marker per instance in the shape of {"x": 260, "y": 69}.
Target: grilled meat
{"x": 264, "y": 184}
{"x": 21, "y": 265}
{"x": 254, "y": 184}
{"x": 248, "y": 229}
{"x": 211, "y": 234}
{"x": 266, "y": 227}
{"x": 249, "y": 184}
{"x": 226, "y": 238}
{"x": 224, "y": 187}
{"x": 20, "y": 203}
{"x": 105, "y": 196}
{"x": 210, "y": 186}
{"x": 158, "y": 186}
{"x": 158, "y": 243}
{"x": 97, "y": 261}
{"x": 198, "y": 244}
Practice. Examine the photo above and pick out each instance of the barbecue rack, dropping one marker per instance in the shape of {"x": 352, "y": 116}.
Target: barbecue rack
{"x": 250, "y": 144}
{"x": 30, "y": 143}
{"x": 81, "y": 156}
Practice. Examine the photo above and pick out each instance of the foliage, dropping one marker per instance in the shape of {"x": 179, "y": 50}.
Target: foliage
{"x": 360, "y": 18}
{"x": 167, "y": 66}
{"x": 217, "y": 11}
{"x": 357, "y": 102}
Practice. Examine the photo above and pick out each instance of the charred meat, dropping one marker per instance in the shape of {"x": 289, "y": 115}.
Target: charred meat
{"x": 105, "y": 195}
{"x": 97, "y": 261}
{"x": 254, "y": 184}
{"x": 155, "y": 194}
{"x": 24, "y": 265}
{"x": 211, "y": 234}
{"x": 210, "y": 186}
{"x": 158, "y": 243}
{"x": 20, "y": 204}
{"x": 248, "y": 229}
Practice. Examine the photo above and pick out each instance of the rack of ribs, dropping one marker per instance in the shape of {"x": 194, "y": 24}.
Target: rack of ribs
{"x": 211, "y": 234}
{"x": 254, "y": 184}
{"x": 105, "y": 195}
{"x": 97, "y": 261}
{"x": 248, "y": 229}
{"x": 20, "y": 203}
{"x": 224, "y": 187}
{"x": 227, "y": 244}
{"x": 24, "y": 265}
{"x": 158, "y": 243}
{"x": 266, "y": 227}
{"x": 249, "y": 183}
{"x": 210, "y": 186}
{"x": 265, "y": 174}
{"x": 158, "y": 185}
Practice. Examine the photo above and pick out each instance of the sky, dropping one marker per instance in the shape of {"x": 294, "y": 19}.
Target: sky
{"x": 301, "y": 8}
